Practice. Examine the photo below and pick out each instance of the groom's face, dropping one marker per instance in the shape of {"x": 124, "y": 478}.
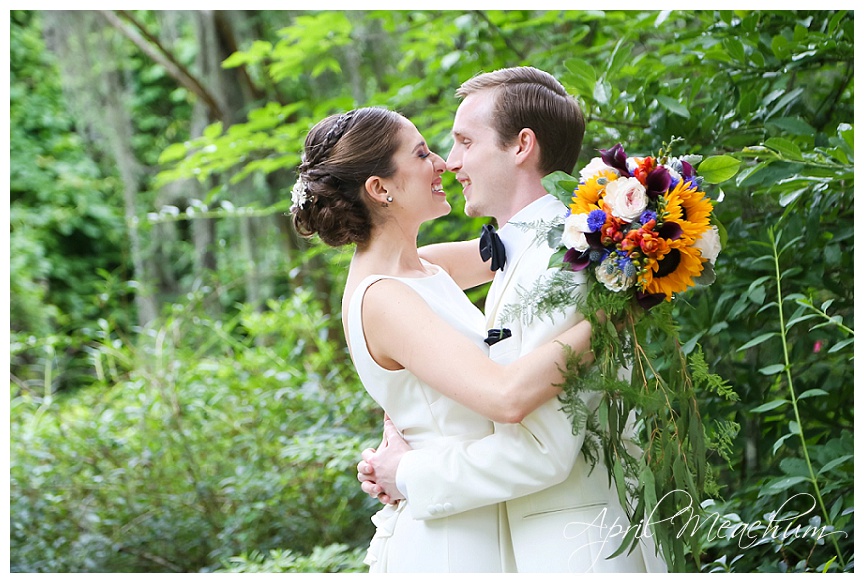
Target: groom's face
{"x": 482, "y": 168}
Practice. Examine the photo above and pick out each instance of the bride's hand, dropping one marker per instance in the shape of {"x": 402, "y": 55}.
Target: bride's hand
{"x": 377, "y": 471}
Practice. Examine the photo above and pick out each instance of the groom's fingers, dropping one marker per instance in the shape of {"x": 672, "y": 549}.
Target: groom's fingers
{"x": 390, "y": 432}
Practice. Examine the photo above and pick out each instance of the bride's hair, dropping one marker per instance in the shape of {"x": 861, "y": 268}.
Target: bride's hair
{"x": 340, "y": 153}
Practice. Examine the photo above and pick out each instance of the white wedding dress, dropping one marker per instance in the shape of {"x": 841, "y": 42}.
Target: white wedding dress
{"x": 463, "y": 542}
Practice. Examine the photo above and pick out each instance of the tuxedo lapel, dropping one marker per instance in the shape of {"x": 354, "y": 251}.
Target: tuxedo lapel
{"x": 500, "y": 287}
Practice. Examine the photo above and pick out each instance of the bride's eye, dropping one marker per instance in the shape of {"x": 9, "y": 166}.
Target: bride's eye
{"x": 426, "y": 155}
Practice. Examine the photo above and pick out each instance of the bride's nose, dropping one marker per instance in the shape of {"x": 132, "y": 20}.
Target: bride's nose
{"x": 438, "y": 163}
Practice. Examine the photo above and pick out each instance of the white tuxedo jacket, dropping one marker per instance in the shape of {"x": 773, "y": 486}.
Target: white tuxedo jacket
{"x": 560, "y": 518}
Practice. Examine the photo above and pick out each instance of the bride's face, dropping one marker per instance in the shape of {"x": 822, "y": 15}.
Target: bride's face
{"x": 416, "y": 185}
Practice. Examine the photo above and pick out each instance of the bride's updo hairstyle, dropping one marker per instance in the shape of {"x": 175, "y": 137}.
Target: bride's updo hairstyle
{"x": 340, "y": 153}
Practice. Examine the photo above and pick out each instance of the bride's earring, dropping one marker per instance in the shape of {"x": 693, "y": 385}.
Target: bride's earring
{"x": 389, "y": 200}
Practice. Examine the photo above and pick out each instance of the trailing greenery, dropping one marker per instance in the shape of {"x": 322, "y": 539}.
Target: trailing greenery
{"x": 224, "y": 434}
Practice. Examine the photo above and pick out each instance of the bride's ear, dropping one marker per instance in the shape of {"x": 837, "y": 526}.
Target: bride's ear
{"x": 376, "y": 190}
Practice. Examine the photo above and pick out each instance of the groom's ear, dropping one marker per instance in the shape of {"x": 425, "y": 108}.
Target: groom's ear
{"x": 376, "y": 190}
{"x": 526, "y": 146}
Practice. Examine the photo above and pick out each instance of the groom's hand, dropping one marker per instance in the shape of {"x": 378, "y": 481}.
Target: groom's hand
{"x": 377, "y": 471}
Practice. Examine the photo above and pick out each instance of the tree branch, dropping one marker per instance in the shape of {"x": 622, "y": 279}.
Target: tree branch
{"x": 146, "y": 42}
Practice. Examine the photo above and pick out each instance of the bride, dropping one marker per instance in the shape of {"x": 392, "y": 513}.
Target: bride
{"x": 417, "y": 342}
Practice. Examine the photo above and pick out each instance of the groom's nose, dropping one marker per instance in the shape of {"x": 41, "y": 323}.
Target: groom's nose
{"x": 454, "y": 162}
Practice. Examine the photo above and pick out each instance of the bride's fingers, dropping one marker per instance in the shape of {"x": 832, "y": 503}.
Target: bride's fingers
{"x": 365, "y": 467}
{"x": 371, "y": 488}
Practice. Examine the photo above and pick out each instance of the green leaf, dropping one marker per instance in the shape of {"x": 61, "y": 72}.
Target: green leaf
{"x": 752, "y": 176}
{"x": 618, "y": 472}
{"x": 781, "y": 484}
{"x": 847, "y": 132}
{"x": 173, "y": 153}
{"x": 673, "y": 106}
{"x": 780, "y": 47}
{"x": 213, "y": 131}
{"x": 841, "y": 345}
{"x": 735, "y": 49}
{"x": 795, "y": 466}
{"x": 779, "y": 442}
{"x": 812, "y": 393}
{"x": 835, "y": 462}
{"x": 803, "y": 318}
{"x": 557, "y": 258}
{"x": 646, "y": 477}
{"x": 792, "y": 125}
{"x": 769, "y": 406}
{"x": 772, "y": 369}
{"x": 561, "y": 185}
{"x": 717, "y": 169}
{"x": 581, "y": 75}
{"x": 602, "y": 92}
{"x": 786, "y": 148}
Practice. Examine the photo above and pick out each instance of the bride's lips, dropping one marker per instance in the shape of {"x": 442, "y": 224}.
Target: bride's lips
{"x": 438, "y": 189}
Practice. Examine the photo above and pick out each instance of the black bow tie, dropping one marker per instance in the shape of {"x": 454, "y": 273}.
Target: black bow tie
{"x": 492, "y": 247}
{"x": 496, "y": 335}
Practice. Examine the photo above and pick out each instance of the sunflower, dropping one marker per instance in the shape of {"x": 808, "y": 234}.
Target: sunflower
{"x": 587, "y": 195}
{"x": 674, "y": 272}
{"x": 690, "y": 208}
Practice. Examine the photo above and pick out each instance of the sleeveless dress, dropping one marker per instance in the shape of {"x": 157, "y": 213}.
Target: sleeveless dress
{"x": 464, "y": 542}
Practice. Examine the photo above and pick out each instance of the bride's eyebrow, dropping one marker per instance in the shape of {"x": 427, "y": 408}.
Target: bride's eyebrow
{"x": 422, "y": 144}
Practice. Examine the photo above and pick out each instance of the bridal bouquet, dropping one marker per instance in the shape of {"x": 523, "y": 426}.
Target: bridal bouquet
{"x": 641, "y": 225}
{"x": 643, "y": 231}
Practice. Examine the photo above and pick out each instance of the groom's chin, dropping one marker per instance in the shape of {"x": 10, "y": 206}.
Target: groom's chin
{"x": 471, "y": 211}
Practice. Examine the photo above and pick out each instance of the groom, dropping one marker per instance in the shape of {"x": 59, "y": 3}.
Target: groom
{"x": 513, "y": 127}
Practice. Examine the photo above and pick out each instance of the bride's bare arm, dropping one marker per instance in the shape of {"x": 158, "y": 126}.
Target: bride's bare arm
{"x": 402, "y": 331}
{"x": 461, "y": 260}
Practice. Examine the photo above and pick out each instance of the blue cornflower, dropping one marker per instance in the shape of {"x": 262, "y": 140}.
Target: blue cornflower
{"x": 596, "y": 219}
{"x": 648, "y": 216}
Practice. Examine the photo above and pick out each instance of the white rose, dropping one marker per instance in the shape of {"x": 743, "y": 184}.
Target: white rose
{"x": 626, "y": 198}
{"x": 594, "y": 167}
{"x": 575, "y": 227}
{"x": 610, "y": 275}
{"x": 709, "y": 244}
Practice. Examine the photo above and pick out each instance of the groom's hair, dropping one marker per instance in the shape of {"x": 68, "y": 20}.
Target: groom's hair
{"x": 530, "y": 98}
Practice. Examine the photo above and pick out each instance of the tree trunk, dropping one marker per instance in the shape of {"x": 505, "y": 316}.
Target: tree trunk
{"x": 95, "y": 91}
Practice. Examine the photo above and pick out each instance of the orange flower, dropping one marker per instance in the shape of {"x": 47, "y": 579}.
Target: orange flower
{"x": 652, "y": 245}
{"x": 644, "y": 166}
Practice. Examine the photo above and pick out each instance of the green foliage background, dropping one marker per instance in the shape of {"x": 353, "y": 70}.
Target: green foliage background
{"x": 224, "y": 434}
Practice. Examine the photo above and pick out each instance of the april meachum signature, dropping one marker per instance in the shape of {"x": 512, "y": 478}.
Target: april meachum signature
{"x": 718, "y": 526}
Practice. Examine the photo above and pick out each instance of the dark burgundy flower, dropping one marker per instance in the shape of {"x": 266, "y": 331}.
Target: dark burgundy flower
{"x": 616, "y": 158}
{"x": 687, "y": 170}
{"x": 595, "y": 240}
{"x": 648, "y": 301}
{"x": 657, "y": 182}
{"x": 670, "y": 230}
{"x": 578, "y": 260}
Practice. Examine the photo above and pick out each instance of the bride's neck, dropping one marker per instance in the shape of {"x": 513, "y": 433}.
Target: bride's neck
{"x": 390, "y": 250}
